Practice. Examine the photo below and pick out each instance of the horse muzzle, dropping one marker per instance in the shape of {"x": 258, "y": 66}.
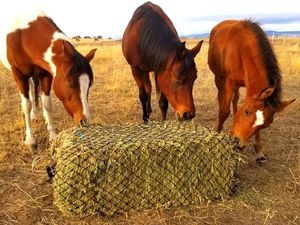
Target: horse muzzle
{"x": 185, "y": 116}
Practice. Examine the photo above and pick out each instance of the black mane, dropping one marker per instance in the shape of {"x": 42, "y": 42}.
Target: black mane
{"x": 155, "y": 38}
{"x": 79, "y": 66}
{"x": 270, "y": 63}
{"x": 54, "y": 24}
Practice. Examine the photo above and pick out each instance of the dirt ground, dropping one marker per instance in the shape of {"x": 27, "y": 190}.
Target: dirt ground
{"x": 265, "y": 195}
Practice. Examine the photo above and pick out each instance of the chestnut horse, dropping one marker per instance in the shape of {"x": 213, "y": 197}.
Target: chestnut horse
{"x": 151, "y": 43}
{"x": 240, "y": 55}
{"x": 31, "y": 45}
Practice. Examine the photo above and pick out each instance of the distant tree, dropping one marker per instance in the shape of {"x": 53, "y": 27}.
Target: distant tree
{"x": 87, "y": 37}
{"x": 100, "y": 37}
{"x": 77, "y": 38}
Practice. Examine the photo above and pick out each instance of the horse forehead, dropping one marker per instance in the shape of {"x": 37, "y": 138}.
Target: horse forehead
{"x": 259, "y": 120}
{"x": 84, "y": 81}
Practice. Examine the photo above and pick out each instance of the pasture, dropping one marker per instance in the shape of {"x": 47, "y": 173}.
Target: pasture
{"x": 266, "y": 195}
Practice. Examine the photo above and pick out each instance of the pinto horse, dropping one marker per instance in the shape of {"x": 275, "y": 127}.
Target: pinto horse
{"x": 240, "y": 55}
{"x": 151, "y": 43}
{"x": 31, "y": 45}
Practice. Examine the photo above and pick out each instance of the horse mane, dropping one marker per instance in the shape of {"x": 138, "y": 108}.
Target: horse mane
{"x": 49, "y": 19}
{"x": 270, "y": 63}
{"x": 155, "y": 38}
{"x": 79, "y": 66}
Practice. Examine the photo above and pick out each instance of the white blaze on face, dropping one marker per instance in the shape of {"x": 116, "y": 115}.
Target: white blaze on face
{"x": 15, "y": 15}
{"x": 259, "y": 118}
{"x": 84, "y": 83}
{"x": 48, "y": 55}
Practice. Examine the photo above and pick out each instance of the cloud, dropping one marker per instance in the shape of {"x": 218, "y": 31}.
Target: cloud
{"x": 261, "y": 18}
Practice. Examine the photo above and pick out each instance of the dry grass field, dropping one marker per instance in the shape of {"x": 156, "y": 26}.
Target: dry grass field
{"x": 266, "y": 195}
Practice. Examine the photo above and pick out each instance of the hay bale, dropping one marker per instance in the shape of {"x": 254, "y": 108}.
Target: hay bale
{"x": 118, "y": 168}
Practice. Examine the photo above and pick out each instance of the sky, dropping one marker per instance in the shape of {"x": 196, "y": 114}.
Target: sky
{"x": 109, "y": 18}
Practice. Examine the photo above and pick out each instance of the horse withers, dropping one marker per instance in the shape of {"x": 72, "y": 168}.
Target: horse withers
{"x": 240, "y": 55}
{"x": 151, "y": 43}
{"x": 31, "y": 45}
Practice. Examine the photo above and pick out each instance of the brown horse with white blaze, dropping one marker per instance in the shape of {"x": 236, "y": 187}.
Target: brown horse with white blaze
{"x": 151, "y": 43}
{"x": 240, "y": 55}
{"x": 32, "y": 45}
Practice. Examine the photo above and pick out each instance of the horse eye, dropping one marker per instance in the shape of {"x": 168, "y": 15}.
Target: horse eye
{"x": 247, "y": 112}
{"x": 179, "y": 82}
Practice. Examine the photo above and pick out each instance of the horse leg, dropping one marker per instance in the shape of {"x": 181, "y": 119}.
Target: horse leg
{"x": 260, "y": 158}
{"x": 33, "y": 99}
{"x": 235, "y": 99}
{"x": 163, "y": 105}
{"x": 148, "y": 89}
{"x": 225, "y": 91}
{"x": 144, "y": 86}
{"x": 23, "y": 86}
{"x": 46, "y": 82}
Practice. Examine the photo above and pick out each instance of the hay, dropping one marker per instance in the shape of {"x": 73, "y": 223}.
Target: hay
{"x": 118, "y": 168}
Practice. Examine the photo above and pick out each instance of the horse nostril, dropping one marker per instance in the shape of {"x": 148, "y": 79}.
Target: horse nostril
{"x": 83, "y": 122}
{"x": 188, "y": 116}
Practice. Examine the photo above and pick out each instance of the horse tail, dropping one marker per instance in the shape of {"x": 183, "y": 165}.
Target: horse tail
{"x": 34, "y": 91}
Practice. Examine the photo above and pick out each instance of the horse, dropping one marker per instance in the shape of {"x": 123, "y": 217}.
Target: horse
{"x": 150, "y": 43}
{"x": 32, "y": 45}
{"x": 240, "y": 55}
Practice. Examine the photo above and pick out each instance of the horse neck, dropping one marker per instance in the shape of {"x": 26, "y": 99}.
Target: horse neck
{"x": 59, "y": 59}
{"x": 256, "y": 77}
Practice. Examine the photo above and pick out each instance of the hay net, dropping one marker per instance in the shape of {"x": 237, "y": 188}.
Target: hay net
{"x": 118, "y": 168}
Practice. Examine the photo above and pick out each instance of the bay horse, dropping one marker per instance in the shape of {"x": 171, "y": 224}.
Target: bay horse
{"x": 240, "y": 55}
{"x": 31, "y": 45}
{"x": 151, "y": 43}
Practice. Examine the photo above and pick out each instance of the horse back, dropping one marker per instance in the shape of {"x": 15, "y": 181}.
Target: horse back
{"x": 25, "y": 36}
{"x": 131, "y": 40}
{"x": 230, "y": 48}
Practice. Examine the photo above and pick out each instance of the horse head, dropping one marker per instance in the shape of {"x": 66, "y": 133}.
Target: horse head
{"x": 176, "y": 81}
{"x": 72, "y": 82}
{"x": 255, "y": 114}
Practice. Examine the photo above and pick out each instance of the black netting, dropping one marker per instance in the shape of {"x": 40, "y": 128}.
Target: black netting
{"x": 118, "y": 168}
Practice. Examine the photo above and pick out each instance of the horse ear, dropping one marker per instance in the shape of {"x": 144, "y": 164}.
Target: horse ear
{"x": 90, "y": 55}
{"x": 284, "y": 104}
{"x": 181, "y": 51}
{"x": 197, "y": 48}
{"x": 266, "y": 93}
{"x": 67, "y": 49}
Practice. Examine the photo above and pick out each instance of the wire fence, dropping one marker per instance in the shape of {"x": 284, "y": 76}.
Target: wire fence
{"x": 119, "y": 168}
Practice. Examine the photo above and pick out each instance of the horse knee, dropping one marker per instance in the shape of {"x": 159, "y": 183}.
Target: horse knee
{"x": 143, "y": 97}
{"x": 26, "y": 105}
{"x": 224, "y": 113}
{"x": 47, "y": 103}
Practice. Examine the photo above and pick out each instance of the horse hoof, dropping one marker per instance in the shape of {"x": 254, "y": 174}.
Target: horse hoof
{"x": 32, "y": 147}
{"x": 52, "y": 137}
{"x": 261, "y": 161}
{"x": 146, "y": 119}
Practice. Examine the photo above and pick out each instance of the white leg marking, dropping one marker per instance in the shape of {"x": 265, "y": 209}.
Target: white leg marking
{"x": 84, "y": 82}
{"x": 32, "y": 99}
{"x": 259, "y": 118}
{"x": 47, "y": 112}
{"x": 48, "y": 55}
{"x": 26, "y": 106}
